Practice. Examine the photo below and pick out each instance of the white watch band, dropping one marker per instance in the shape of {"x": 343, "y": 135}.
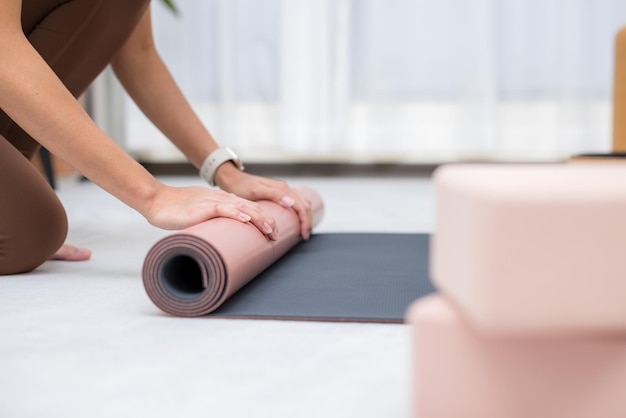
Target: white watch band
{"x": 215, "y": 160}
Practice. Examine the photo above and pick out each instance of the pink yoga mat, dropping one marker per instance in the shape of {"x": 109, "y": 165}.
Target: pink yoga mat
{"x": 192, "y": 272}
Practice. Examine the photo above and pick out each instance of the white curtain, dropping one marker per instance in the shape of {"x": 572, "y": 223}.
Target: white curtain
{"x": 391, "y": 80}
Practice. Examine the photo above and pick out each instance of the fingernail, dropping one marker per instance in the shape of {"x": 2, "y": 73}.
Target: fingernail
{"x": 287, "y": 201}
{"x": 267, "y": 228}
{"x": 244, "y": 217}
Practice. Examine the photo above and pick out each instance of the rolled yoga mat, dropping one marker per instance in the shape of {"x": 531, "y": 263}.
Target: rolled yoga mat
{"x": 209, "y": 270}
{"x": 192, "y": 272}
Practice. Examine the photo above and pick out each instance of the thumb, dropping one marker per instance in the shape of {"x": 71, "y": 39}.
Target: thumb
{"x": 278, "y": 196}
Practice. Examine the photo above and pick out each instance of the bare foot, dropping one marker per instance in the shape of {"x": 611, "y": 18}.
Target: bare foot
{"x": 71, "y": 253}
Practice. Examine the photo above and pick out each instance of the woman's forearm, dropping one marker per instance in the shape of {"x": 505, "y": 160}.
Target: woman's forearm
{"x": 32, "y": 95}
{"x": 147, "y": 80}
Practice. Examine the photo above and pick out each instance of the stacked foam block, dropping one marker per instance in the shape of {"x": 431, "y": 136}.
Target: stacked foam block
{"x": 530, "y": 318}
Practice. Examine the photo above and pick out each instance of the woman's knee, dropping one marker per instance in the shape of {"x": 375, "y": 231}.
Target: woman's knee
{"x": 34, "y": 236}
{"x": 33, "y": 222}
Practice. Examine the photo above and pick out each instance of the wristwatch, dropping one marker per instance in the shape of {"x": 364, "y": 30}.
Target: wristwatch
{"x": 215, "y": 160}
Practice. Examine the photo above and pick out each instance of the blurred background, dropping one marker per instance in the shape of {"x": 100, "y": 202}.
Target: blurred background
{"x": 383, "y": 81}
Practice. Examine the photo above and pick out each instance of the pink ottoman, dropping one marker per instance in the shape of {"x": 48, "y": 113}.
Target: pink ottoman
{"x": 533, "y": 248}
{"x": 458, "y": 373}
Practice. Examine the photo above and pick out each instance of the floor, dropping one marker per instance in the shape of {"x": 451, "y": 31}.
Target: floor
{"x": 84, "y": 340}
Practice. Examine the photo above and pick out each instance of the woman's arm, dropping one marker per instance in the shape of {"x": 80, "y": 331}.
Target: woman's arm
{"x": 147, "y": 80}
{"x": 33, "y": 96}
{"x": 145, "y": 77}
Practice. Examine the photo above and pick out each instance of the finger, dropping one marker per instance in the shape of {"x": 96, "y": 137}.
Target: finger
{"x": 260, "y": 219}
{"x": 275, "y": 195}
{"x": 296, "y": 201}
{"x": 278, "y": 195}
{"x": 287, "y": 201}
{"x": 302, "y": 208}
{"x": 244, "y": 214}
{"x": 252, "y": 212}
{"x": 231, "y": 211}
{"x": 305, "y": 215}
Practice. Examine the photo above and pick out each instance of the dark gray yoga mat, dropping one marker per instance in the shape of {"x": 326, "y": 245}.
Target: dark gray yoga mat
{"x": 348, "y": 277}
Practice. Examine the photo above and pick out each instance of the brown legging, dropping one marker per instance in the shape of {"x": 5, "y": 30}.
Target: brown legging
{"x": 77, "y": 38}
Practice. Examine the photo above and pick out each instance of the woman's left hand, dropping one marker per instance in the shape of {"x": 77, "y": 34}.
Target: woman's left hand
{"x": 229, "y": 178}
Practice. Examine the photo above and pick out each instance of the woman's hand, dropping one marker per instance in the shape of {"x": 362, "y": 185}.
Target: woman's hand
{"x": 178, "y": 208}
{"x": 255, "y": 188}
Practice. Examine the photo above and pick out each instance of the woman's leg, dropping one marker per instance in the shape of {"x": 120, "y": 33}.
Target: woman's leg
{"x": 77, "y": 38}
{"x": 33, "y": 224}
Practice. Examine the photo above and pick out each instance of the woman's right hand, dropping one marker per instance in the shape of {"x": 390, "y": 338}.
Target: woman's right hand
{"x": 178, "y": 208}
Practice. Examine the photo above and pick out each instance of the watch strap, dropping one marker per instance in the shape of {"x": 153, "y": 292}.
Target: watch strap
{"x": 215, "y": 160}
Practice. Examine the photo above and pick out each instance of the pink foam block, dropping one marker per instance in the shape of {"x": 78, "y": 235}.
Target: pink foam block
{"x": 458, "y": 372}
{"x": 533, "y": 248}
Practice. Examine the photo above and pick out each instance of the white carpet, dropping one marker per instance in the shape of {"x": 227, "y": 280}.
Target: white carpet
{"x": 84, "y": 340}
